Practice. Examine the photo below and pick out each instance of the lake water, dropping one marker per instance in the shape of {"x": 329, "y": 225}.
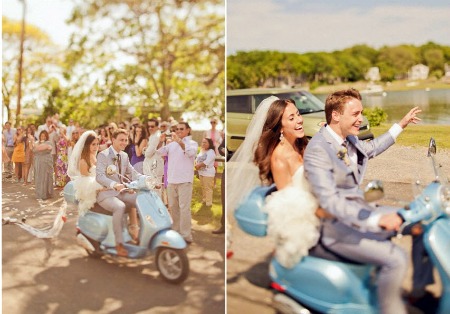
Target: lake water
{"x": 435, "y": 104}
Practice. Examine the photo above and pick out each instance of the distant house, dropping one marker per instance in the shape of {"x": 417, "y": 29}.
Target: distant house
{"x": 446, "y": 77}
{"x": 373, "y": 74}
{"x": 418, "y": 72}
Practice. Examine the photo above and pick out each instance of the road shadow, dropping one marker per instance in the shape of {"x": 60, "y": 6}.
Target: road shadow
{"x": 257, "y": 274}
{"x": 88, "y": 284}
{"x": 57, "y": 276}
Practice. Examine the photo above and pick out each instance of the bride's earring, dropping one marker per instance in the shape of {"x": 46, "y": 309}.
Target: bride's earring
{"x": 281, "y": 138}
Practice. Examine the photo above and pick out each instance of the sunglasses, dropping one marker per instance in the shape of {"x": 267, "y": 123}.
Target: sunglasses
{"x": 180, "y": 129}
{"x": 213, "y": 122}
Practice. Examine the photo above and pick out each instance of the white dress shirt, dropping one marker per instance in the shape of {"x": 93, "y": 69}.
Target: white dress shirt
{"x": 180, "y": 168}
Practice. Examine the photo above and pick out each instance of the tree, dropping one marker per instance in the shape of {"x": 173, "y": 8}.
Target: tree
{"x": 38, "y": 50}
{"x": 434, "y": 58}
{"x": 274, "y": 68}
{"x": 159, "y": 54}
{"x": 397, "y": 60}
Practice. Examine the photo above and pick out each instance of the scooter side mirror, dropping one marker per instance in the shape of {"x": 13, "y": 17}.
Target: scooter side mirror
{"x": 374, "y": 191}
{"x": 111, "y": 170}
{"x": 432, "y": 147}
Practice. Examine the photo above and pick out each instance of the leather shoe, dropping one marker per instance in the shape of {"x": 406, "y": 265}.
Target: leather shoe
{"x": 219, "y": 231}
{"x": 121, "y": 250}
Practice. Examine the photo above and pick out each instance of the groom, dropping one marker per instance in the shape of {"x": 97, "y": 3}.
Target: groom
{"x": 112, "y": 199}
{"x": 335, "y": 162}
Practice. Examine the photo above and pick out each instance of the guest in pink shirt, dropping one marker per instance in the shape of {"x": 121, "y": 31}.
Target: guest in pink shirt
{"x": 181, "y": 154}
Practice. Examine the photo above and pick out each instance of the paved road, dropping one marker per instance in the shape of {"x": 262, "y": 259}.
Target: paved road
{"x": 247, "y": 270}
{"x": 44, "y": 276}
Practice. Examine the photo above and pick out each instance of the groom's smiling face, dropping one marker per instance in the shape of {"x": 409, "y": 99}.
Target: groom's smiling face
{"x": 120, "y": 142}
{"x": 351, "y": 119}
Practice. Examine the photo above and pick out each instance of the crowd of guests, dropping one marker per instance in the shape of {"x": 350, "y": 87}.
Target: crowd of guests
{"x": 39, "y": 156}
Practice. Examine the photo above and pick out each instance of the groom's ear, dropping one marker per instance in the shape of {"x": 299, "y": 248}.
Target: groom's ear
{"x": 335, "y": 116}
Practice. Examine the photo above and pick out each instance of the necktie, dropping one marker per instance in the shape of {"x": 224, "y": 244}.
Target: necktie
{"x": 344, "y": 152}
{"x": 351, "y": 163}
{"x": 119, "y": 163}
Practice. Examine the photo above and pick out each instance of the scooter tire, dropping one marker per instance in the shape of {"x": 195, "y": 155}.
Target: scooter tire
{"x": 172, "y": 264}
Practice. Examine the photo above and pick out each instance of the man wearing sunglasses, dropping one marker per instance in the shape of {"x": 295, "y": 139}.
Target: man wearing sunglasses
{"x": 181, "y": 154}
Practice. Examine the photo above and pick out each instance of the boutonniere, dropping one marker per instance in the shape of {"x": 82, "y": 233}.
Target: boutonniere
{"x": 342, "y": 155}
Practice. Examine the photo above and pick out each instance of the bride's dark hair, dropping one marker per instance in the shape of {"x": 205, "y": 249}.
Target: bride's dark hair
{"x": 270, "y": 137}
{"x": 86, "y": 152}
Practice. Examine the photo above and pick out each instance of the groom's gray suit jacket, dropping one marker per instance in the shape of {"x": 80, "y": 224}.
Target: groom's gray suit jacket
{"x": 106, "y": 158}
{"x": 336, "y": 185}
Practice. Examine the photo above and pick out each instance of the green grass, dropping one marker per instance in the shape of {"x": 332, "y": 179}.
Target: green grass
{"x": 201, "y": 215}
{"x": 419, "y": 135}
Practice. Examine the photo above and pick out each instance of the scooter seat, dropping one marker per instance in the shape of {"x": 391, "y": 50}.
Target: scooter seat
{"x": 100, "y": 210}
{"x": 321, "y": 251}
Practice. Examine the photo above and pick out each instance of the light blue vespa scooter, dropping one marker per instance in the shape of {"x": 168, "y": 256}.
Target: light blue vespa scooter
{"x": 95, "y": 231}
{"x": 324, "y": 283}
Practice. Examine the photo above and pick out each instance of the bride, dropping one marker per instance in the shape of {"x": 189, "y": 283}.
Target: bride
{"x": 275, "y": 142}
{"x": 82, "y": 171}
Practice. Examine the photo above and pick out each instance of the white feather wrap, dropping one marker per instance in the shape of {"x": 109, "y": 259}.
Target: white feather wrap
{"x": 86, "y": 192}
{"x": 292, "y": 222}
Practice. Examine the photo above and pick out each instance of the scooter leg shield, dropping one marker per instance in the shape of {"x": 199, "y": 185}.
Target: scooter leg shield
{"x": 95, "y": 226}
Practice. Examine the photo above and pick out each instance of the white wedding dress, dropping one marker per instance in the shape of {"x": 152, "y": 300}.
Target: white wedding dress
{"x": 292, "y": 222}
{"x": 86, "y": 191}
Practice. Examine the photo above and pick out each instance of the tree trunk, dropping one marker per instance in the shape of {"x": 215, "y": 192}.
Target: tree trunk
{"x": 165, "y": 112}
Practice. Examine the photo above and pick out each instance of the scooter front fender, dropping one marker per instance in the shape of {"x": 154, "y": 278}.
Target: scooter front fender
{"x": 167, "y": 238}
{"x": 436, "y": 240}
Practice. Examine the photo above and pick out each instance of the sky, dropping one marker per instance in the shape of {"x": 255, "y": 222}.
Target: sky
{"x": 292, "y": 25}
{"x": 327, "y": 25}
{"x": 48, "y": 15}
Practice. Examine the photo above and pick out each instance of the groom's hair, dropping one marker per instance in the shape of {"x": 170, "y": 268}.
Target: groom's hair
{"x": 119, "y": 131}
{"x": 337, "y": 100}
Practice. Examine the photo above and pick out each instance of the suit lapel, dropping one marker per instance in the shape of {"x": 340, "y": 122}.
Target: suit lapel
{"x": 335, "y": 147}
{"x": 330, "y": 140}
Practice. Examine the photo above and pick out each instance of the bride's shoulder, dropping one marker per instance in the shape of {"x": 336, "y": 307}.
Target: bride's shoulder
{"x": 278, "y": 160}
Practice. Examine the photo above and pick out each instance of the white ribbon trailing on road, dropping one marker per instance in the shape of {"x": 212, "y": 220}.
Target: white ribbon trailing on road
{"x": 51, "y": 231}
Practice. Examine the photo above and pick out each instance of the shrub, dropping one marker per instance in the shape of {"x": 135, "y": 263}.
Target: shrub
{"x": 375, "y": 115}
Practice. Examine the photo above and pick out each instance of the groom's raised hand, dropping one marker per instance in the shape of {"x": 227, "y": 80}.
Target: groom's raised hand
{"x": 410, "y": 117}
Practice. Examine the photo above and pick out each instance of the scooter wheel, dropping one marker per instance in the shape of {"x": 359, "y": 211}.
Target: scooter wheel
{"x": 172, "y": 264}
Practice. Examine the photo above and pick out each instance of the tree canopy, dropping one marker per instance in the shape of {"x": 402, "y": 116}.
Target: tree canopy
{"x": 150, "y": 55}
{"x": 274, "y": 68}
{"x": 39, "y": 50}
{"x": 160, "y": 57}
